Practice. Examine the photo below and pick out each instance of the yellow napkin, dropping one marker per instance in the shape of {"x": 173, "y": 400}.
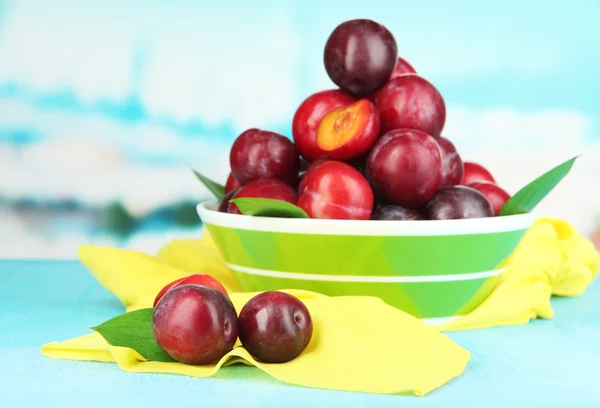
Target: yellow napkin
{"x": 347, "y": 351}
{"x": 551, "y": 259}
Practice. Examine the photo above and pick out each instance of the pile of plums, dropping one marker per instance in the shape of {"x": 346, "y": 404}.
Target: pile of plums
{"x": 371, "y": 149}
{"x": 195, "y": 322}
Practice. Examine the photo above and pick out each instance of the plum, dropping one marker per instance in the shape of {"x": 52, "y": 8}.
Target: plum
{"x": 360, "y": 56}
{"x": 410, "y": 101}
{"x": 405, "y": 167}
{"x": 348, "y": 133}
{"x": 260, "y": 154}
{"x": 336, "y": 190}
{"x": 395, "y": 213}
{"x": 195, "y": 324}
{"x": 458, "y": 202}
{"x": 474, "y": 172}
{"x": 308, "y": 117}
{"x": 275, "y": 327}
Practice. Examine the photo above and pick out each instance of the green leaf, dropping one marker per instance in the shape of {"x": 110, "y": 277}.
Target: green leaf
{"x": 134, "y": 330}
{"x": 217, "y": 189}
{"x": 529, "y": 196}
{"x": 267, "y": 207}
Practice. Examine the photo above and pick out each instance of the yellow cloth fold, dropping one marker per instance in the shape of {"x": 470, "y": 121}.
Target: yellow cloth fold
{"x": 360, "y": 343}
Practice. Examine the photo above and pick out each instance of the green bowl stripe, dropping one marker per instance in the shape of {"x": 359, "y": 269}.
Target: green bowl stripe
{"x": 364, "y": 278}
{"x": 420, "y": 299}
{"x": 365, "y": 255}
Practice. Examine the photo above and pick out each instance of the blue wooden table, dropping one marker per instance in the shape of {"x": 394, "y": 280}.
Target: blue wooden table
{"x": 553, "y": 363}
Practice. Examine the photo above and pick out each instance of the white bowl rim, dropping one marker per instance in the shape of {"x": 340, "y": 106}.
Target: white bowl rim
{"x": 208, "y": 213}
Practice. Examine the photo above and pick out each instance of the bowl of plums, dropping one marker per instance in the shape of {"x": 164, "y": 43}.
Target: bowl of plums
{"x": 366, "y": 198}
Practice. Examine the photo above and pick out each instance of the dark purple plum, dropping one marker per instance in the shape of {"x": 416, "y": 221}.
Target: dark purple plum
{"x": 493, "y": 192}
{"x": 396, "y": 213}
{"x": 360, "y": 56}
{"x": 458, "y": 202}
{"x": 260, "y": 154}
{"x": 275, "y": 327}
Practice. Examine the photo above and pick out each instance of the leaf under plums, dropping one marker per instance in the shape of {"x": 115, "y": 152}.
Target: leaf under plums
{"x": 134, "y": 330}
{"x": 268, "y": 207}
{"x": 529, "y": 196}
{"x": 217, "y": 189}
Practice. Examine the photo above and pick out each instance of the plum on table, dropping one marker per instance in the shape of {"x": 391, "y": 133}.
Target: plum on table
{"x": 275, "y": 327}
{"x": 195, "y": 324}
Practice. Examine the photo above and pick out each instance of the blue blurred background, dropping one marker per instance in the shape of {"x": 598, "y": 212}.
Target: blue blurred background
{"x": 104, "y": 104}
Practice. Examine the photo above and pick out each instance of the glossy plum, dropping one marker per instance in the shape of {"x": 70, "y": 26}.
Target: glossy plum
{"x": 195, "y": 279}
{"x": 348, "y": 133}
{"x": 452, "y": 168}
{"x": 474, "y": 172}
{"x": 260, "y": 154}
{"x": 395, "y": 213}
{"x": 195, "y": 324}
{"x": 275, "y": 327}
{"x": 405, "y": 167}
{"x": 458, "y": 202}
{"x": 496, "y": 195}
{"x": 308, "y": 117}
{"x": 410, "y": 101}
{"x": 265, "y": 188}
{"x": 336, "y": 190}
{"x": 360, "y": 56}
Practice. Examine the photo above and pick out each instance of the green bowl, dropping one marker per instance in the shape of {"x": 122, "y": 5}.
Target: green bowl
{"x": 434, "y": 270}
